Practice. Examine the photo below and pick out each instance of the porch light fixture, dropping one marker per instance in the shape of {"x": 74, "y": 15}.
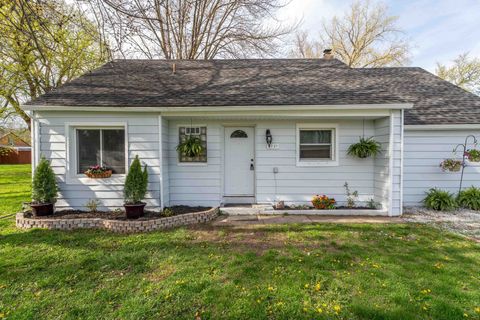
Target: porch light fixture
{"x": 268, "y": 138}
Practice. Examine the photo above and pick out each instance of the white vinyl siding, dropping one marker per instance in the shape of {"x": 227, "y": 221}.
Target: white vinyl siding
{"x": 423, "y": 152}
{"x": 196, "y": 184}
{"x": 298, "y": 184}
{"x": 143, "y": 140}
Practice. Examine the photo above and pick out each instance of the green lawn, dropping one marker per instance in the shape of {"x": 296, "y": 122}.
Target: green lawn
{"x": 323, "y": 271}
{"x": 14, "y": 187}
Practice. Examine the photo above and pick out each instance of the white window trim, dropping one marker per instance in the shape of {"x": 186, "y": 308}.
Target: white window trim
{"x": 72, "y": 177}
{"x": 189, "y": 164}
{"x": 335, "y": 145}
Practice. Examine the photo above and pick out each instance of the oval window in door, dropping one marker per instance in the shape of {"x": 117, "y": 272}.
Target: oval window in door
{"x": 239, "y": 134}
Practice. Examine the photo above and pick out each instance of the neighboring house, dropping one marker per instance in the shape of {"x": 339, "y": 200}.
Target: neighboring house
{"x": 14, "y": 150}
{"x": 313, "y": 109}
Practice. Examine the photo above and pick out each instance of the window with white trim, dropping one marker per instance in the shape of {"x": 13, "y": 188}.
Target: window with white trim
{"x": 105, "y": 147}
{"x": 201, "y": 133}
{"x": 316, "y": 145}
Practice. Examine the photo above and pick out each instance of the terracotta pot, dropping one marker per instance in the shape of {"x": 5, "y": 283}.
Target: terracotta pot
{"x": 42, "y": 209}
{"x": 280, "y": 205}
{"x": 134, "y": 211}
{"x": 106, "y": 174}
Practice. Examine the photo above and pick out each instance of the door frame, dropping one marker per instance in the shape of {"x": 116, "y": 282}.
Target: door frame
{"x": 237, "y": 125}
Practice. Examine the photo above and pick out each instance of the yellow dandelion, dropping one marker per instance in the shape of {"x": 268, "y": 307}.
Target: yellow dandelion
{"x": 319, "y": 310}
{"x": 306, "y": 286}
{"x": 318, "y": 286}
{"x": 337, "y": 308}
{"x": 465, "y": 315}
{"x": 477, "y": 309}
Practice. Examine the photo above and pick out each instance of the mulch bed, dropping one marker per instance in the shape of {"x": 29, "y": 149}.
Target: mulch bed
{"x": 120, "y": 215}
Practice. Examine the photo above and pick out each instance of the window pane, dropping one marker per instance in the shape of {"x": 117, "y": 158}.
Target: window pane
{"x": 88, "y": 149}
{"x": 315, "y": 136}
{"x": 114, "y": 150}
{"x": 315, "y": 152}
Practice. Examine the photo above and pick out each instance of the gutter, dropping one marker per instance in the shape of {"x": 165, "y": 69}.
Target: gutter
{"x": 393, "y": 106}
{"x": 431, "y": 127}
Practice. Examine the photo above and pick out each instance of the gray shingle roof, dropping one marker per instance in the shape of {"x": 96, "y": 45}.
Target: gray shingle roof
{"x": 131, "y": 83}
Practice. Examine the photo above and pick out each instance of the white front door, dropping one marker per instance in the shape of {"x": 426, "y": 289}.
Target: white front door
{"x": 239, "y": 161}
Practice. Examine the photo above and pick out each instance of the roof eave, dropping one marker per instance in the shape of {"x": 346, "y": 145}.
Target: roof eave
{"x": 382, "y": 106}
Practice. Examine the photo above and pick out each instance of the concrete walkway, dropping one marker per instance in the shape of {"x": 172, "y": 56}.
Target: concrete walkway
{"x": 241, "y": 220}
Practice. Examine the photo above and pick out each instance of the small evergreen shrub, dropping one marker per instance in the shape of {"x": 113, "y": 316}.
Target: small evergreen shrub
{"x": 44, "y": 185}
{"x": 469, "y": 198}
{"x": 439, "y": 200}
{"x": 136, "y": 183}
{"x": 365, "y": 148}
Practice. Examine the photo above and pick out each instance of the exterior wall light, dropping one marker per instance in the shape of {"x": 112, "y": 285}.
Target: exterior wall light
{"x": 268, "y": 138}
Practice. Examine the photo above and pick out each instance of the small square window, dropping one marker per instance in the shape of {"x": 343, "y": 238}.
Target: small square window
{"x": 316, "y": 146}
{"x": 200, "y": 132}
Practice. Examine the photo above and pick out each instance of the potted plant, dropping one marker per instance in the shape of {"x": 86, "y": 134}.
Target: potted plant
{"x": 135, "y": 189}
{"x": 191, "y": 147}
{"x": 98, "y": 172}
{"x": 323, "y": 202}
{"x": 365, "y": 148}
{"x": 473, "y": 155}
{"x": 451, "y": 165}
{"x": 44, "y": 189}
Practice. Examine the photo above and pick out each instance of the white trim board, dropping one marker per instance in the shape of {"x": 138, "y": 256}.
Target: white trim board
{"x": 222, "y": 108}
{"x": 428, "y": 127}
{"x": 335, "y": 144}
{"x": 71, "y": 175}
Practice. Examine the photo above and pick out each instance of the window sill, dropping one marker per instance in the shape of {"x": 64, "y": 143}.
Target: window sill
{"x": 116, "y": 179}
{"x": 192, "y": 164}
{"x": 330, "y": 163}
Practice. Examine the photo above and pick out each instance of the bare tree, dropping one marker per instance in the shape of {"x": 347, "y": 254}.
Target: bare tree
{"x": 365, "y": 36}
{"x": 465, "y": 72}
{"x": 190, "y": 29}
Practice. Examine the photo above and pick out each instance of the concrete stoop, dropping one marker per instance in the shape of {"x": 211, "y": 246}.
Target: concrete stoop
{"x": 258, "y": 209}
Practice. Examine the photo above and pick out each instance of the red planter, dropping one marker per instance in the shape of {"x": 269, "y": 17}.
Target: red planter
{"x": 134, "y": 211}
{"x": 42, "y": 209}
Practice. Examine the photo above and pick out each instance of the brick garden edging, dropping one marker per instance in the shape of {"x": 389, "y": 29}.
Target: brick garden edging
{"x": 122, "y": 226}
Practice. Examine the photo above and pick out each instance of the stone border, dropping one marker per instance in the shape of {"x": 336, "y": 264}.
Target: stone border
{"x": 121, "y": 226}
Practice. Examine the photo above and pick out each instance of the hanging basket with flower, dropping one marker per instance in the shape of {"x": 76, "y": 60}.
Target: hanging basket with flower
{"x": 473, "y": 155}
{"x": 98, "y": 172}
{"x": 451, "y": 165}
{"x": 323, "y": 202}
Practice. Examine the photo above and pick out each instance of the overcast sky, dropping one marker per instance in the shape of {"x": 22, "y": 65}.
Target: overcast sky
{"x": 438, "y": 30}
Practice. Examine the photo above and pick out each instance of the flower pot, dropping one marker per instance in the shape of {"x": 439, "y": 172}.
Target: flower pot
{"x": 280, "y": 205}
{"x": 134, "y": 211}
{"x": 100, "y": 175}
{"x": 42, "y": 209}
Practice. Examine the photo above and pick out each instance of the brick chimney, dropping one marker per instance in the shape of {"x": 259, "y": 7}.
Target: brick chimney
{"x": 327, "y": 54}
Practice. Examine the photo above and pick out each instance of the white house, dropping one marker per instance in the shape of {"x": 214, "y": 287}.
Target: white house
{"x": 312, "y": 109}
